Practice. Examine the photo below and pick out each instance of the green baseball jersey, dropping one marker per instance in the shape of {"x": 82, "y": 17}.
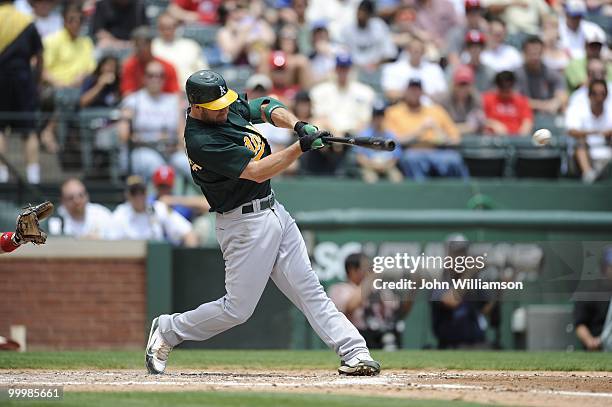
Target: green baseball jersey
{"x": 218, "y": 153}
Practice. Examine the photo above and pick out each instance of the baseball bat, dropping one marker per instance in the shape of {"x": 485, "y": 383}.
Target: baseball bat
{"x": 375, "y": 143}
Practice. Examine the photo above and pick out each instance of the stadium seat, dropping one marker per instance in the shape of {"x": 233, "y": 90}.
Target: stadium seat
{"x": 485, "y": 162}
{"x": 205, "y": 35}
{"x": 236, "y": 76}
{"x": 537, "y": 163}
{"x": 99, "y": 143}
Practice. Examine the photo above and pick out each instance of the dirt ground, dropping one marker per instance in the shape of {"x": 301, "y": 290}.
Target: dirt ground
{"x": 497, "y": 387}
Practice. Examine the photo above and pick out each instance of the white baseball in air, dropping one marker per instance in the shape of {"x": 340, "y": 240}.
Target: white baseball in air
{"x": 541, "y": 137}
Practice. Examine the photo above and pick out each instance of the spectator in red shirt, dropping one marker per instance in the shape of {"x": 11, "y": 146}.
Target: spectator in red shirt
{"x": 192, "y": 11}
{"x": 507, "y": 111}
{"x": 134, "y": 66}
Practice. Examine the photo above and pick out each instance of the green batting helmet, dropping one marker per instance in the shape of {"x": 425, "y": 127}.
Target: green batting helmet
{"x": 208, "y": 89}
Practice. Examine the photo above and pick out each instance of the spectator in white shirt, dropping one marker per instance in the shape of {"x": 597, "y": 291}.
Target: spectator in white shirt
{"x": 410, "y": 65}
{"x": 77, "y": 216}
{"x": 596, "y": 69}
{"x": 573, "y": 29}
{"x": 342, "y": 105}
{"x": 136, "y": 220}
{"x": 151, "y": 127}
{"x": 591, "y": 125}
{"x": 184, "y": 53}
{"x": 498, "y": 55}
{"x": 368, "y": 39}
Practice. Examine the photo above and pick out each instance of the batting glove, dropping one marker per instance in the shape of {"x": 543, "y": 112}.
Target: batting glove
{"x": 303, "y": 129}
{"x": 313, "y": 141}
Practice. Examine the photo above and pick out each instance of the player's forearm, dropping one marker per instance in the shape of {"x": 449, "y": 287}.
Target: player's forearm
{"x": 272, "y": 165}
{"x": 284, "y": 118}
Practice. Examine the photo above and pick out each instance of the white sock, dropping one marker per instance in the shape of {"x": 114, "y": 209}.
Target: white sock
{"x": 4, "y": 174}
{"x": 33, "y": 173}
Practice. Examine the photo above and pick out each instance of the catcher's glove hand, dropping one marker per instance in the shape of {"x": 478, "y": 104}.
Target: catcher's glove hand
{"x": 28, "y": 229}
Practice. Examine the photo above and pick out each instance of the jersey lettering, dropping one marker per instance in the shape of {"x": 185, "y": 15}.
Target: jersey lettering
{"x": 254, "y": 143}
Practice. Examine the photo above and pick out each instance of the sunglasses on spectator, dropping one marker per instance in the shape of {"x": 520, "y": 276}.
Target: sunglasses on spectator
{"x": 155, "y": 74}
{"x": 73, "y": 197}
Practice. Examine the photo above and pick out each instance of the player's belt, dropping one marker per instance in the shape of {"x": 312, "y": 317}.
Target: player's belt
{"x": 264, "y": 203}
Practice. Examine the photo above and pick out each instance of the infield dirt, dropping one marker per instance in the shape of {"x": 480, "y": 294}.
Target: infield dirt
{"x": 526, "y": 388}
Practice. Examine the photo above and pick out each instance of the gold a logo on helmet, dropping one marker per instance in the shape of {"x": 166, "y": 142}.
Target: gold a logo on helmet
{"x": 255, "y": 144}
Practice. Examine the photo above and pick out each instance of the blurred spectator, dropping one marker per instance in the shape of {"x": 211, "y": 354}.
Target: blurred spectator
{"x": 376, "y": 164}
{"x": 188, "y": 206}
{"x": 284, "y": 85}
{"x": 244, "y": 38}
{"x": 576, "y": 71}
{"x": 411, "y": 64}
{"x": 151, "y": 123}
{"x": 47, "y": 18}
{"x": 596, "y": 69}
{"x": 114, "y": 20}
{"x": 554, "y": 56}
{"x": 69, "y": 57}
{"x": 543, "y": 86}
{"x": 21, "y": 61}
{"x": 507, "y": 111}
{"x": 377, "y": 314}
{"x": 101, "y": 88}
{"x": 591, "y": 318}
{"x": 521, "y": 16}
{"x": 458, "y": 317}
{"x": 424, "y": 131}
{"x": 474, "y": 45}
{"x": 499, "y": 55}
{"x": 79, "y": 217}
{"x": 433, "y": 21}
{"x": 464, "y": 104}
{"x": 342, "y": 105}
{"x": 260, "y": 85}
{"x": 192, "y": 11}
{"x": 573, "y": 29}
{"x": 323, "y": 56}
{"x": 325, "y": 161}
{"x": 297, "y": 64}
{"x": 335, "y": 13}
{"x": 134, "y": 66}
{"x": 456, "y": 38}
{"x": 186, "y": 54}
{"x": 368, "y": 39}
{"x": 294, "y": 13}
{"x": 137, "y": 220}
{"x": 591, "y": 125}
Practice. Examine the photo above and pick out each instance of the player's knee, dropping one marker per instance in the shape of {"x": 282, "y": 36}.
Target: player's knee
{"x": 240, "y": 316}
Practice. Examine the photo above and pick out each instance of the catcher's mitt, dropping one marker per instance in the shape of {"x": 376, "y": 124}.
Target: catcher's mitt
{"x": 28, "y": 229}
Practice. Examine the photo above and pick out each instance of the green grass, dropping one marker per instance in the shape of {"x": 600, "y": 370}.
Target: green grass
{"x": 227, "y": 399}
{"x": 286, "y": 359}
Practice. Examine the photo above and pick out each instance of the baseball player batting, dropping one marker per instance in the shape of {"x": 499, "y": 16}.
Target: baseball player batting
{"x": 232, "y": 163}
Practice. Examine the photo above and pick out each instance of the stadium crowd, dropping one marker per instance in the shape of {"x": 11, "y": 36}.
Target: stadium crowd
{"x": 429, "y": 74}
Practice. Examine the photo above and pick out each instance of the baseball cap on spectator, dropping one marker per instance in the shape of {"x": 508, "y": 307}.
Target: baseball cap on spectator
{"x": 415, "y": 82}
{"x": 164, "y": 175}
{"x": 343, "y": 60}
{"x": 135, "y": 184}
{"x": 378, "y": 108}
{"x": 278, "y": 60}
{"x": 472, "y": 5}
{"x": 595, "y": 36}
{"x": 463, "y": 74}
{"x": 475, "y": 37}
{"x": 258, "y": 82}
{"x": 302, "y": 96}
{"x": 575, "y": 8}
